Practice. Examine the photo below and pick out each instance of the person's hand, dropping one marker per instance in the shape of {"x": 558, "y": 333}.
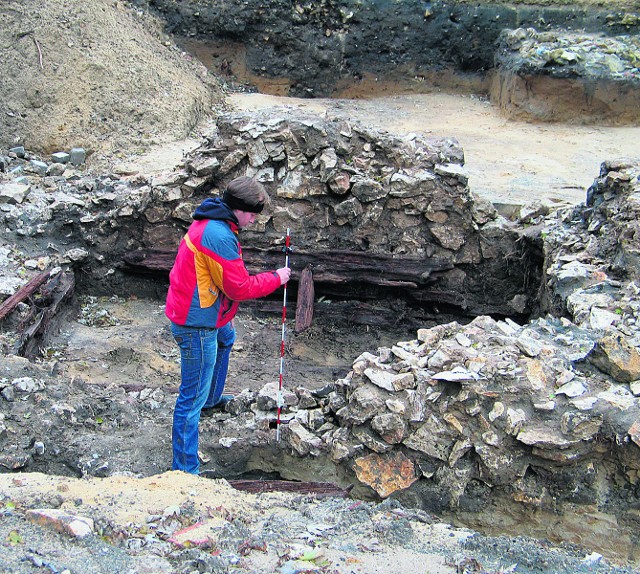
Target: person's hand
{"x": 284, "y": 273}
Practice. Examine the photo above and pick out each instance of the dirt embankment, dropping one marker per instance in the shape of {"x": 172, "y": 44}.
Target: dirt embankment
{"x": 96, "y": 75}
{"x": 323, "y": 49}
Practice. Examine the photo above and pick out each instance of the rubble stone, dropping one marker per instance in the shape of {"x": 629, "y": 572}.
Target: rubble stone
{"x": 385, "y": 473}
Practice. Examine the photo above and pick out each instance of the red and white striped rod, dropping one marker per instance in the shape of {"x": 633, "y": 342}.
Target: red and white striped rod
{"x": 287, "y": 250}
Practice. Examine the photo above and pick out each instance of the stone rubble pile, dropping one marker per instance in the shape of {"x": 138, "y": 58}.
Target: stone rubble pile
{"x": 491, "y": 402}
{"x": 324, "y": 49}
{"x": 593, "y": 254}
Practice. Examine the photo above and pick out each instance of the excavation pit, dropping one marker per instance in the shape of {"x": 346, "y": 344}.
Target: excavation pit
{"x": 529, "y": 421}
{"x": 437, "y": 397}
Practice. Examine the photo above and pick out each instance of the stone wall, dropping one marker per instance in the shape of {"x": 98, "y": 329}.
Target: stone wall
{"x": 339, "y": 186}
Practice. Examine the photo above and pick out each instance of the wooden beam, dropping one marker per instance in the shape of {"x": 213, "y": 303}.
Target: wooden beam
{"x": 331, "y": 267}
{"x": 56, "y": 293}
{"x": 23, "y": 293}
{"x": 350, "y": 312}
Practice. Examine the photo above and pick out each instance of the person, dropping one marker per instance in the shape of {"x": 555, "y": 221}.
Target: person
{"x": 206, "y": 284}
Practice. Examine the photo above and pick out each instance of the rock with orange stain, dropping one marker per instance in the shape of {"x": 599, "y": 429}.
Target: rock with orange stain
{"x": 386, "y": 474}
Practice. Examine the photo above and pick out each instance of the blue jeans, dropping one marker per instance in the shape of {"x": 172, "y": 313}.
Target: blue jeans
{"x": 204, "y": 362}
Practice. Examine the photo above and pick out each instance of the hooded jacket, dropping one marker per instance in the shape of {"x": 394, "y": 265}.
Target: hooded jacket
{"x": 208, "y": 278}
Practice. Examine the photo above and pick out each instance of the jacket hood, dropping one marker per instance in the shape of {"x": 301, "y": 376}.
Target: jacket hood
{"x": 215, "y": 208}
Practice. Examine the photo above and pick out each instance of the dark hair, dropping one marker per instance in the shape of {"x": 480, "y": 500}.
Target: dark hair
{"x": 246, "y": 194}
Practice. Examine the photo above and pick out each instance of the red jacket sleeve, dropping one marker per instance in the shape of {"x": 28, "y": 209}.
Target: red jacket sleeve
{"x": 228, "y": 272}
{"x": 238, "y": 285}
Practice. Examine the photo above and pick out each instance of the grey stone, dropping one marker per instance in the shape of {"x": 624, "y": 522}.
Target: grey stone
{"x": 300, "y": 439}
{"x": 231, "y": 160}
{"x": 432, "y": 438}
{"x": 8, "y": 394}
{"x": 366, "y": 189}
{"x": 391, "y": 427}
{"x": 581, "y": 425}
{"x": 27, "y": 384}
{"x": 78, "y": 156}
{"x": 452, "y": 170}
{"x": 60, "y": 157}
{"x": 257, "y": 153}
{"x": 76, "y": 255}
{"x": 572, "y": 389}
{"x": 347, "y": 210}
{"x": 366, "y": 437}
{"x": 205, "y": 165}
{"x": 456, "y": 374}
{"x": 9, "y": 285}
{"x": 450, "y": 236}
{"x": 497, "y": 411}
{"x": 545, "y": 437}
{"x": 14, "y": 193}
{"x": 39, "y": 167}
{"x": 55, "y": 169}
{"x": 19, "y": 151}
{"x": 339, "y": 183}
{"x": 364, "y": 403}
{"x": 528, "y": 345}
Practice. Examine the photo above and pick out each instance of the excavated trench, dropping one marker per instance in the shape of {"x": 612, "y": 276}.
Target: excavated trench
{"x": 133, "y": 355}
{"x": 111, "y": 340}
{"x": 113, "y": 372}
{"x": 354, "y": 49}
{"x": 115, "y": 347}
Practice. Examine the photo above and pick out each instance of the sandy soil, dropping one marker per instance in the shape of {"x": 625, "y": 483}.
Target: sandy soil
{"x": 332, "y": 530}
{"x": 97, "y": 75}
